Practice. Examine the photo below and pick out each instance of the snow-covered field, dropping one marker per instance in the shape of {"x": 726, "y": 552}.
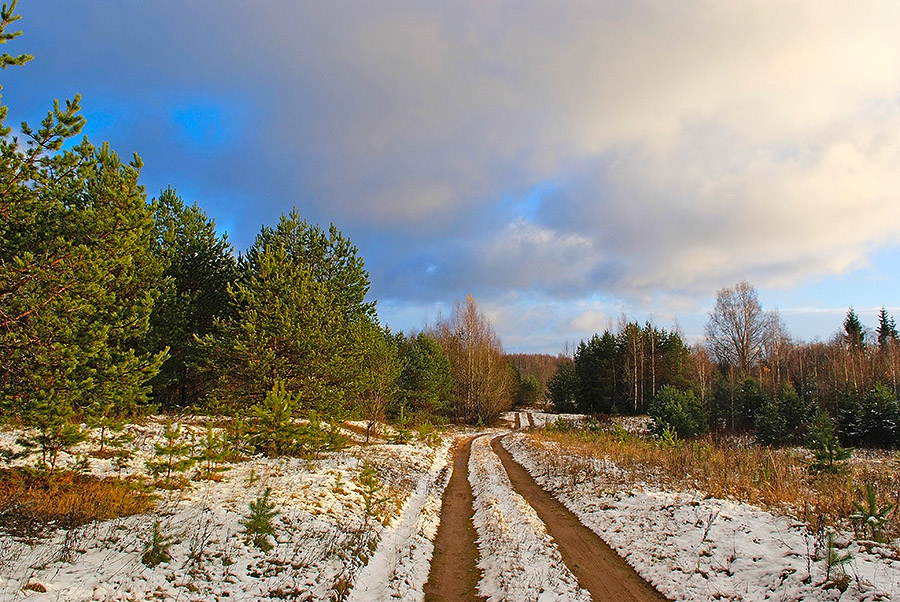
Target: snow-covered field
{"x": 327, "y": 546}
{"x": 324, "y": 537}
{"x": 693, "y": 548}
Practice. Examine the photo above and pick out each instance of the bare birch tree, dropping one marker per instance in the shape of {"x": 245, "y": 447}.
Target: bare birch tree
{"x": 737, "y": 327}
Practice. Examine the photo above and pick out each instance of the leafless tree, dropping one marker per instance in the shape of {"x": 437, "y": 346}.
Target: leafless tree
{"x": 737, "y": 327}
{"x": 483, "y": 378}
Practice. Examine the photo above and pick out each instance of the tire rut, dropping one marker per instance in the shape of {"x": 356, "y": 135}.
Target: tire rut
{"x": 454, "y": 571}
{"x": 596, "y": 566}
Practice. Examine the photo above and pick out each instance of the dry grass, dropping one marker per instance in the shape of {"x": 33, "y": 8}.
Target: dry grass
{"x": 31, "y": 503}
{"x": 776, "y": 479}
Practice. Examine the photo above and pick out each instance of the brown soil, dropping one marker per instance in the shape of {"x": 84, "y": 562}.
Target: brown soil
{"x": 596, "y": 566}
{"x": 530, "y": 419}
{"x": 518, "y": 421}
{"x": 454, "y": 572}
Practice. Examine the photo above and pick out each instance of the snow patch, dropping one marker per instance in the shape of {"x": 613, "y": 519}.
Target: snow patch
{"x": 518, "y": 558}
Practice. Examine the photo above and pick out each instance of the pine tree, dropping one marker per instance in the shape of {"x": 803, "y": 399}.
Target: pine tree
{"x": 425, "y": 383}
{"x": 77, "y": 275}
{"x": 201, "y": 267}
{"x": 301, "y": 318}
{"x": 258, "y": 523}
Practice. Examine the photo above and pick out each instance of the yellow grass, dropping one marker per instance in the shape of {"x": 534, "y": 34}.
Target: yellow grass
{"x": 30, "y": 502}
{"x": 773, "y": 478}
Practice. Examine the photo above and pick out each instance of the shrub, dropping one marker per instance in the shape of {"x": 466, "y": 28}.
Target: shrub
{"x": 31, "y": 501}
{"x": 680, "y": 410}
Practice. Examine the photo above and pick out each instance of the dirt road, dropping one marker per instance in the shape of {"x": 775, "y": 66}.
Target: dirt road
{"x": 596, "y": 566}
{"x": 454, "y": 572}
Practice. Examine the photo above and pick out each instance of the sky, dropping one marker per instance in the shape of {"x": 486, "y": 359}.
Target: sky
{"x": 567, "y": 163}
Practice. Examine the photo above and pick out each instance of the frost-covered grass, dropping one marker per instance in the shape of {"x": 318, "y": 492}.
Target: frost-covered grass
{"x": 518, "y": 558}
{"x": 694, "y": 545}
{"x": 323, "y": 534}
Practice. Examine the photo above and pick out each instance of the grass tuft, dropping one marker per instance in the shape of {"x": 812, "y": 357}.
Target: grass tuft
{"x": 32, "y": 502}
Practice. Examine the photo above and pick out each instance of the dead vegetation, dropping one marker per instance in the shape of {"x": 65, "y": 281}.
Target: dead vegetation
{"x": 777, "y": 479}
{"x": 32, "y": 502}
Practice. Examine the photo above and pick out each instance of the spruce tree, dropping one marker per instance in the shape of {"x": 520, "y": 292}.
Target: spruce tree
{"x": 886, "y": 331}
{"x": 853, "y": 330}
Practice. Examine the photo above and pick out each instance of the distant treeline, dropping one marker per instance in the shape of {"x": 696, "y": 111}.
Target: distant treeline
{"x": 749, "y": 375}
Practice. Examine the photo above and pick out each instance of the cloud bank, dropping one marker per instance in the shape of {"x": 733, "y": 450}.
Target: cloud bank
{"x": 646, "y": 152}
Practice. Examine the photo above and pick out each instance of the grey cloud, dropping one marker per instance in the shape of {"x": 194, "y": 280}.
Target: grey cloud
{"x": 692, "y": 144}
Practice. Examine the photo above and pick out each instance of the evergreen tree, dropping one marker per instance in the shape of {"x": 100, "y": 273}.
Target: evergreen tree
{"x": 853, "y": 331}
{"x": 886, "y": 331}
{"x": 678, "y": 410}
{"x": 200, "y": 269}
{"x": 562, "y": 387}
{"x": 301, "y": 318}
{"x": 596, "y": 364}
{"x": 77, "y": 275}
{"x": 873, "y": 420}
{"x": 425, "y": 383}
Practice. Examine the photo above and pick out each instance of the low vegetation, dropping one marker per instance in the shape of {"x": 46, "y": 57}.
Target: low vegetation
{"x": 730, "y": 467}
{"x": 31, "y": 501}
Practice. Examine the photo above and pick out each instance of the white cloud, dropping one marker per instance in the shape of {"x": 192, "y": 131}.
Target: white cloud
{"x": 691, "y": 144}
{"x": 696, "y": 144}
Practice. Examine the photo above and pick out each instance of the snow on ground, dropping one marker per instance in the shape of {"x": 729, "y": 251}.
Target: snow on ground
{"x": 693, "y": 548}
{"x": 540, "y": 419}
{"x": 518, "y": 558}
{"x": 324, "y": 536}
{"x": 401, "y": 563}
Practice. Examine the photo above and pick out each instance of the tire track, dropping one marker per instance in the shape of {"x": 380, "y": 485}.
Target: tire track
{"x": 596, "y": 566}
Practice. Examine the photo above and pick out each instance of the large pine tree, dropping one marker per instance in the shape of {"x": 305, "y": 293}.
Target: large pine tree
{"x": 201, "y": 267}
{"x": 77, "y": 275}
{"x": 301, "y": 318}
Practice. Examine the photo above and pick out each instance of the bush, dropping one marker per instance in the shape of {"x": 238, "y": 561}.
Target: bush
{"x": 873, "y": 420}
{"x": 679, "y": 410}
{"x": 31, "y": 501}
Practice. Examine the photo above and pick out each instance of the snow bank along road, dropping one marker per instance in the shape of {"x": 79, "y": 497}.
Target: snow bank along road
{"x": 529, "y": 546}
